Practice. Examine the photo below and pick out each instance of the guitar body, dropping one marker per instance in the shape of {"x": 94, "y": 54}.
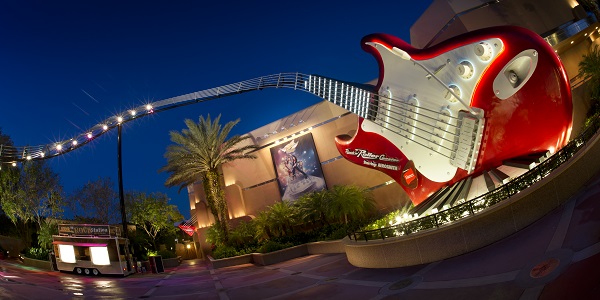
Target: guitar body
{"x": 514, "y": 99}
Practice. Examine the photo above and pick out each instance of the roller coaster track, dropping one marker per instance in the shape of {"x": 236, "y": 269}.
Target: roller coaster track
{"x": 344, "y": 94}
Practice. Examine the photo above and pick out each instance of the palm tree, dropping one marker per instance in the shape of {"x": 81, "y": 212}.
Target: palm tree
{"x": 349, "y": 201}
{"x": 590, "y": 68}
{"x": 262, "y": 225}
{"x": 198, "y": 154}
{"x": 312, "y": 207}
{"x": 282, "y": 216}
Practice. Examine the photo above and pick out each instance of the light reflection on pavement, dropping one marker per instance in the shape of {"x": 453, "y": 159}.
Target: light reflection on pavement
{"x": 557, "y": 257}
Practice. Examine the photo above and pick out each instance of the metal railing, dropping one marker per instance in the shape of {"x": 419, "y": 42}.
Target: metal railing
{"x": 570, "y": 30}
{"x": 484, "y": 201}
{"x": 10, "y": 154}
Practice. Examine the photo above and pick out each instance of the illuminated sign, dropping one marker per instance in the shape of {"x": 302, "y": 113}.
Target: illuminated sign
{"x": 87, "y": 230}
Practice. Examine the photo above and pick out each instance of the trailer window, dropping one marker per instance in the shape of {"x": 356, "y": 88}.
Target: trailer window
{"x": 100, "y": 256}
{"x": 67, "y": 253}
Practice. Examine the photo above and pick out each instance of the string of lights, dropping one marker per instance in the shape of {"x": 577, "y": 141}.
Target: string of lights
{"x": 408, "y": 119}
{"x": 12, "y": 155}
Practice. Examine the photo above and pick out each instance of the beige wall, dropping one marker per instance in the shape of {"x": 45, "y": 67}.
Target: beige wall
{"x": 539, "y": 16}
{"x": 251, "y": 186}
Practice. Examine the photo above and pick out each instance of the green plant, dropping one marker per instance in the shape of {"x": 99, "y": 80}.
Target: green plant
{"x": 165, "y": 254}
{"x": 242, "y": 235}
{"x": 47, "y": 229}
{"x": 224, "y": 252}
{"x": 271, "y": 246}
{"x": 214, "y": 236}
{"x": 37, "y": 253}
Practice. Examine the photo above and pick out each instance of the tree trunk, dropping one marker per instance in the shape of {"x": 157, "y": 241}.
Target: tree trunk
{"x": 218, "y": 204}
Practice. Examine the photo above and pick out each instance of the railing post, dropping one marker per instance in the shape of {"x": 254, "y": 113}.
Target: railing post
{"x": 437, "y": 225}
{"x": 381, "y": 233}
{"x": 296, "y": 81}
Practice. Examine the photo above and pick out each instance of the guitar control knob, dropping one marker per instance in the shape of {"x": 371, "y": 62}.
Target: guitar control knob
{"x": 465, "y": 69}
{"x": 513, "y": 78}
{"x": 449, "y": 97}
{"x": 484, "y": 51}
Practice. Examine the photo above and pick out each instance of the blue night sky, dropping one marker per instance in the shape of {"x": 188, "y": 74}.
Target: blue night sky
{"x": 67, "y": 65}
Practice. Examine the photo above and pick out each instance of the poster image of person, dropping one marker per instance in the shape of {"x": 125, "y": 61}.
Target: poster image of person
{"x": 298, "y": 168}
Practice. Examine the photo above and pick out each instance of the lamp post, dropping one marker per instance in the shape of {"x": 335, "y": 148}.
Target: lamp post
{"x": 120, "y": 170}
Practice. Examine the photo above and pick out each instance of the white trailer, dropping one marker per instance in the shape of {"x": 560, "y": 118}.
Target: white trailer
{"x": 92, "y": 250}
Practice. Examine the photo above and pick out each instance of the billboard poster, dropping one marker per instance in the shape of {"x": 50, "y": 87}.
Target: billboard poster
{"x": 297, "y": 168}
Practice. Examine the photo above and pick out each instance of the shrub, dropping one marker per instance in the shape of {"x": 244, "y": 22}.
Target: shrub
{"x": 37, "y": 253}
{"x": 224, "y": 252}
{"x": 214, "y": 236}
{"x": 166, "y": 254}
{"x": 271, "y": 246}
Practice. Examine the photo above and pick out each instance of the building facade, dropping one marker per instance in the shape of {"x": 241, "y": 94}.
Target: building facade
{"x": 253, "y": 185}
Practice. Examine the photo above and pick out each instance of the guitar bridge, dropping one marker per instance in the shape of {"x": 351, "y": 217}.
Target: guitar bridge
{"x": 468, "y": 140}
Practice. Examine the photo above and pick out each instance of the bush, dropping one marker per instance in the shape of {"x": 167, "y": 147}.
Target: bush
{"x": 37, "y": 253}
{"x": 271, "y": 246}
{"x": 224, "y": 252}
{"x": 214, "y": 236}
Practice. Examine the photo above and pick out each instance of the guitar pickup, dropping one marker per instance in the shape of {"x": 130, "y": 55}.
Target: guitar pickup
{"x": 468, "y": 140}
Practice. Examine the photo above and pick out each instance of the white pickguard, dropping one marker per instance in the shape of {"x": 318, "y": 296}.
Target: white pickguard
{"x": 418, "y": 114}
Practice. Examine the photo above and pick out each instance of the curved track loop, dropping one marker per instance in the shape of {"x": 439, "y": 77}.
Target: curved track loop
{"x": 344, "y": 94}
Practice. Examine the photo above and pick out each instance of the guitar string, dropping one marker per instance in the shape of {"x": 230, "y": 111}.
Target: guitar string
{"x": 408, "y": 114}
{"x": 408, "y": 132}
{"x": 404, "y": 102}
{"x": 372, "y": 109}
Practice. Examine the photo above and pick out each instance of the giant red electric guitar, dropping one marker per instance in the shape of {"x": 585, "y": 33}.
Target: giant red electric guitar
{"x": 460, "y": 107}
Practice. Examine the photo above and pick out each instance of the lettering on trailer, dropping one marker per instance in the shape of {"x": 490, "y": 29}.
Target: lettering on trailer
{"x": 84, "y": 230}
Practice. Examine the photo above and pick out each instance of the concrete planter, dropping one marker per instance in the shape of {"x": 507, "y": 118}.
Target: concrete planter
{"x": 230, "y": 261}
{"x": 265, "y": 259}
{"x": 172, "y": 262}
{"x": 36, "y": 263}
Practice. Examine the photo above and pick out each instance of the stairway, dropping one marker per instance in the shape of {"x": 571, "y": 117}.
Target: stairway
{"x": 475, "y": 186}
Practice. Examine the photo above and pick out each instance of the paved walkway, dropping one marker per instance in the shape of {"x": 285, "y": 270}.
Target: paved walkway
{"x": 557, "y": 257}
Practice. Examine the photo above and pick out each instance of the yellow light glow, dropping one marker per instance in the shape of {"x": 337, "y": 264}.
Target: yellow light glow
{"x": 189, "y": 246}
{"x": 67, "y": 253}
{"x": 99, "y": 256}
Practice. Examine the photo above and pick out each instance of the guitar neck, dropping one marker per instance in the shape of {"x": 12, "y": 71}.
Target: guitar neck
{"x": 346, "y": 95}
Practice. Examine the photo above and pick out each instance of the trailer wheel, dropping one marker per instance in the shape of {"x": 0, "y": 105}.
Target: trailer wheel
{"x": 95, "y": 272}
{"x": 79, "y": 270}
{"x": 87, "y": 271}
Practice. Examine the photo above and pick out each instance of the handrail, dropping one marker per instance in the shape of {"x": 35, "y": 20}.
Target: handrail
{"x": 12, "y": 154}
{"x": 484, "y": 201}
